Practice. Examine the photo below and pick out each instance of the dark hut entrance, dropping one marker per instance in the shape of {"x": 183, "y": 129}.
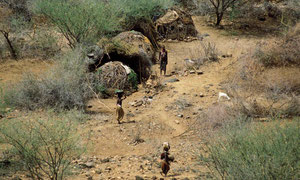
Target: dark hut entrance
{"x": 136, "y": 63}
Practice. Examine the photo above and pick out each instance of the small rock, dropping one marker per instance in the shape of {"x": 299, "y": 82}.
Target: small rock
{"x": 129, "y": 114}
{"x": 180, "y": 115}
{"x": 138, "y": 178}
{"x": 108, "y": 169}
{"x": 90, "y": 164}
{"x": 172, "y": 80}
{"x": 138, "y": 103}
{"x": 201, "y": 95}
{"x": 176, "y": 121}
{"x": 205, "y": 35}
{"x": 90, "y": 178}
{"x": 98, "y": 171}
{"x": 154, "y": 178}
{"x": 192, "y": 72}
{"x": 226, "y": 55}
{"x": 199, "y": 72}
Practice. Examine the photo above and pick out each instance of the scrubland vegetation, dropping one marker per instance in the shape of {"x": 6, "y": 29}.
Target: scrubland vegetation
{"x": 265, "y": 84}
{"x": 253, "y": 151}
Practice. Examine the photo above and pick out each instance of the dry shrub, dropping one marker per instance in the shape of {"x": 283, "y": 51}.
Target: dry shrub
{"x": 285, "y": 52}
{"x": 215, "y": 117}
{"x": 62, "y": 87}
{"x": 204, "y": 52}
{"x": 260, "y": 91}
{"x": 252, "y": 151}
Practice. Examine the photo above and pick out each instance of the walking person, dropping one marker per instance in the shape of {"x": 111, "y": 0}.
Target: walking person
{"x": 166, "y": 159}
{"x": 163, "y": 57}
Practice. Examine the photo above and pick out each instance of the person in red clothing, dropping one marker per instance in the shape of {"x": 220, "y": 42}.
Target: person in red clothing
{"x": 166, "y": 159}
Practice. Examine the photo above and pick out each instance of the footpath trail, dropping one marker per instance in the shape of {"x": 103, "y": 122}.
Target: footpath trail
{"x": 157, "y": 122}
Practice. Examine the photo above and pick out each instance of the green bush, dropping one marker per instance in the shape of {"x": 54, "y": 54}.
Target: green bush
{"x": 64, "y": 86}
{"x": 79, "y": 21}
{"x": 88, "y": 21}
{"x": 135, "y": 10}
{"x": 258, "y": 152}
{"x": 133, "y": 80}
{"x": 46, "y": 146}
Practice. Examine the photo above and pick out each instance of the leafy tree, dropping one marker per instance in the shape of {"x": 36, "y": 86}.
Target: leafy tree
{"x": 88, "y": 21}
{"x": 79, "y": 21}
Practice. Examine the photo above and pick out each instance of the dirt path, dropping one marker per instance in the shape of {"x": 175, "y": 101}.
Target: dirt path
{"x": 155, "y": 123}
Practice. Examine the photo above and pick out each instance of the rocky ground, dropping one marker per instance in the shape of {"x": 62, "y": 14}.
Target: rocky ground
{"x": 154, "y": 115}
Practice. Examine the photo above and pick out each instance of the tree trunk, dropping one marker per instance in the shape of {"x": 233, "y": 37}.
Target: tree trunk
{"x": 219, "y": 18}
{"x": 12, "y": 50}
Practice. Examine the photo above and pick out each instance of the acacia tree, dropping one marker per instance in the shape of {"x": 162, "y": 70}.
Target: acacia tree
{"x": 19, "y": 7}
{"x": 6, "y": 27}
{"x": 79, "y": 21}
{"x": 220, "y": 7}
{"x": 14, "y": 18}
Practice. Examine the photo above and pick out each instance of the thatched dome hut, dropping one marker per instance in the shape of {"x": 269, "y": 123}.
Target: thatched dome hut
{"x": 116, "y": 75}
{"x": 175, "y": 24}
{"x": 131, "y": 48}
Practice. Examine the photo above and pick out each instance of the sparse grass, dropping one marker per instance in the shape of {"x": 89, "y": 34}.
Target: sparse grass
{"x": 265, "y": 87}
{"x": 137, "y": 138}
{"x": 181, "y": 104}
{"x": 204, "y": 52}
{"x": 249, "y": 151}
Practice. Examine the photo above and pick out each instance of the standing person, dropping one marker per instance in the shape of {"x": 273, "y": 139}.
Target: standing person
{"x": 120, "y": 111}
{"x": 163, "y": 57}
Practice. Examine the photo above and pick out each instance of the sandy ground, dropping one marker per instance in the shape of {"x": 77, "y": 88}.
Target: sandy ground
{"x": 112, "y": 147}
